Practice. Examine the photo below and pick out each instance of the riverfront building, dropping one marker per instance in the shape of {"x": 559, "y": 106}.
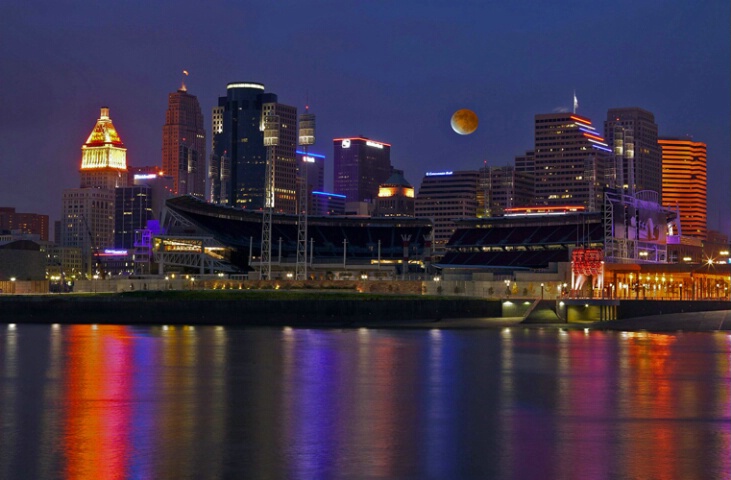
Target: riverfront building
{"x": 238, "y": 161}
{"x": 684, "y": 183}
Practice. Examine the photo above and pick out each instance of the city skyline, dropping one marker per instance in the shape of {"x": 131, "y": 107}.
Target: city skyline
{"x": 391, "y": 72}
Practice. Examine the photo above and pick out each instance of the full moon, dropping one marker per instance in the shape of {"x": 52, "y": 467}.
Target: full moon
{"x": 464, "y": 121}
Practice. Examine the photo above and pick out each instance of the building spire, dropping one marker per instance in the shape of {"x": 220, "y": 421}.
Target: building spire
{"x": 576, "y": 102}
{"x": 183, "y": 88}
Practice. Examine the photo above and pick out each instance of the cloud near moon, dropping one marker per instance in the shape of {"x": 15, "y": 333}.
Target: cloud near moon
{"x": 464, "y": 121}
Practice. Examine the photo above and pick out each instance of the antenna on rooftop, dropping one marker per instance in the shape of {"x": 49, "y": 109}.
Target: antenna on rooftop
{"x": 183, "y": 88}
{"x": 576, "y": 102}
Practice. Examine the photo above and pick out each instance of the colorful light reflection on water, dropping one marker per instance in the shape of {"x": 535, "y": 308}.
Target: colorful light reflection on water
{"x": 120, "y": 402}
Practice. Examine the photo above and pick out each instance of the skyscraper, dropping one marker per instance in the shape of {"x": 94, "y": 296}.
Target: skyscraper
{"x": 184, "y": 144}
{"x": 684, "y": 183}
{"x": 443, "y": 197}
{"x": 502, "y": 187}
{"x": 311, "y": 165}
{"x": 632, "y": 135}
{"x": 88, "y": 212}
{"x": 360, "y": 166}
{"x": 570, "y": 161}
{"x": 239, "y": 156}
{"x": 133, "y": 208}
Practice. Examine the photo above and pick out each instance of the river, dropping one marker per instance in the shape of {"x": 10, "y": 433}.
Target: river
{"x": 107, "y": 402}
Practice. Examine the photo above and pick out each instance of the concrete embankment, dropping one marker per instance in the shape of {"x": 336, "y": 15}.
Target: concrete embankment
{"x": 319, "y": 310}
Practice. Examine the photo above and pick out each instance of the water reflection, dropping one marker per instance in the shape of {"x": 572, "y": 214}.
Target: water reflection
{"x": 181, "y": 402}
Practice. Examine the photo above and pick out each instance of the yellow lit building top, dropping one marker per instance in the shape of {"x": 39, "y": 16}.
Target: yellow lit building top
{"x": 104, "y": 147}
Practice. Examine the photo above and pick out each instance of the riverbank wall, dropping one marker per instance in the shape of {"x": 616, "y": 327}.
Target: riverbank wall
{"x": 325, "y": 310}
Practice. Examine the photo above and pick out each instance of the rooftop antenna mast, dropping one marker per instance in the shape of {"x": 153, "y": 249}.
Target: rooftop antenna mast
{"x": 183, "y": 88}
{"x": 306, "y": 138}
{"x": 576, "y": 102}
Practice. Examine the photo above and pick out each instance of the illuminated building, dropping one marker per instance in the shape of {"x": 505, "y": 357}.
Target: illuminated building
{"x": 103, "y": 156}
{"x": 161, "y": 188}
{"x": 238, "y": 161}
{"x": 569, "y": 161}
{"x": 444, "y": 197}
{"x": 632, "y": 135}
{"x": 395, "y": 197}
{"x": 324, "y": 203}
{"x": 684, "y": 183}
{"x": 184, "y": 144}
{"x": 87, "y": 220}
{"x": 33, "y": 223}
{"x": 314, "y": 165}
{"x": 360, "y": 166}
{"x": 133, "y": 208}
{"x": 501, "y": 188}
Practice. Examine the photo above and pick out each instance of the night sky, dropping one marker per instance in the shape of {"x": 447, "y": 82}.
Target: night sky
{"x": 393, "y": 71}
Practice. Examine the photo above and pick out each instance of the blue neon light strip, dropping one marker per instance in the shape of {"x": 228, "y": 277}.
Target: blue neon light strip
{"x": 317, "y": 155}
{"x": 602, "y": 148}
{"x": 330, "y": 194}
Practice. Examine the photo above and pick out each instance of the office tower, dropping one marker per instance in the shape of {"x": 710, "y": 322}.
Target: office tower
{"x": 526, "y": 166}
{"x": 395, "y": 197}
{"x": 184, "y": 144}
{"x": 88, "y": 212}
{"x": 32, "y": 223}
{"x": 313, "y": 164}
{"x": 502, "y": 187}
{"x": 133, "y": 208}
{"x": 443, "y": 197}
{"x": 324, "y": 203}
{"x": 360, "y": 166}
{"x": 631, "y": 133}
{"x": 283, "y": 154}
{"x": 238, "y": 159}
{"x": 219, "y": 166}
{"x": 569, "y": 161}
{"x": 161, "y": 188}
{"x": 103, "y": 156}
{"x": 88, "y": 223}
{"x": 684, "y": 183}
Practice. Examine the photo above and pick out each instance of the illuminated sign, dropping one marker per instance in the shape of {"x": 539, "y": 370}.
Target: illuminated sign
{"x": 438, "y": 174}
{"x": 308, "y": 159}
{"x": 345, "y": 143}
{"x": 374, "y": 144}
{"x": 115, "y": 252}
{"x": 148, "y": 176}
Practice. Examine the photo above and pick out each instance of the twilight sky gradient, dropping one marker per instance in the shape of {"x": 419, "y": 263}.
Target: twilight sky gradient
{"x": 390, "y": 70}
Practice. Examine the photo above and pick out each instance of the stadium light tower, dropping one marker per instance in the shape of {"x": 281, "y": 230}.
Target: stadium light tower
{"x": 271, "y": 139}
{"x": 306, "y": 138}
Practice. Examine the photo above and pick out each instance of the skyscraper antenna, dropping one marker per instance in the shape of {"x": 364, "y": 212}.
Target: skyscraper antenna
{"x": 576, "y": 102}
{"x": 183, "y": 88}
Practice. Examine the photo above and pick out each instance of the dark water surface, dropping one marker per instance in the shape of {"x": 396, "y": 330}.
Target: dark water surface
{"x": 106, "y": 402}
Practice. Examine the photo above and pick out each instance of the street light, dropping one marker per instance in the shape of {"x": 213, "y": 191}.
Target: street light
{"x": 541, "y": 291}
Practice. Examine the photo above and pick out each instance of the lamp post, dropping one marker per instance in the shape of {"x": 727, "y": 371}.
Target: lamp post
{"x": 541, "y": 291}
